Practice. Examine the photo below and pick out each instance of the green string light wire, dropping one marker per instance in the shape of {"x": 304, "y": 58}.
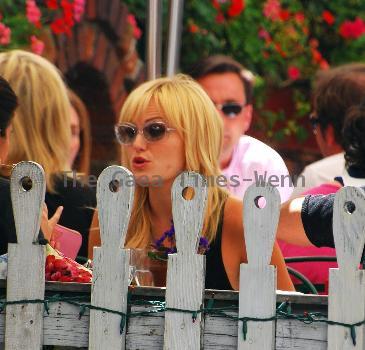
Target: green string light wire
{"x": 283, "y": 311}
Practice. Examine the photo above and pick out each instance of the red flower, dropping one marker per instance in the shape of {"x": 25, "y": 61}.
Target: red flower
{"x": 52, "y": 4}
{"x": 328, "y": 17}
{"x": 137, "y": 32}
{"x": 264, "y": 34}
{"x": 79, "y": 9}
{"x": 299, "y": 17}
{"x": 37, "y": 46}
{"x": 284, "y": 15}
{"x": 324, "y": 64}
{"x": 316, "y": 55}
{"x": 272, "y": 9}
{"x": 33, "y": 13}
{"x": 219, "y": 18}
{"x": 193, "y": 28}
{"x": 280, "y": 50}
{"x": 236, "y": 8}
{"x": 59, "y": 26}
{"x": 5, "y": 34}
{"x": 352, "y": 29}
{"x": 293, "y": 73}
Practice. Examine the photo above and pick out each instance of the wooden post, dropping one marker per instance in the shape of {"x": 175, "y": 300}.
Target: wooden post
{"x": 346, "y": 299}
{"x": 186, "y": 269}
{"x": 115, "y": 192}
{"x": 258, "y": 278}
{"x": 26, "y": 259}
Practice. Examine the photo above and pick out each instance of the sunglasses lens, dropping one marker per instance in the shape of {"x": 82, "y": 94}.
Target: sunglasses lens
{"x": 313, "y": 119}
{"x": 125, "y": 134}
{"x": 231, "y": 109}
{"x": 154, "y": 131}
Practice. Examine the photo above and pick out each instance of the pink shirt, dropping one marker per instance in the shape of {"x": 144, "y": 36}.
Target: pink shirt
{"x": 316, "y": 272}
{"x": 253, "y": 161}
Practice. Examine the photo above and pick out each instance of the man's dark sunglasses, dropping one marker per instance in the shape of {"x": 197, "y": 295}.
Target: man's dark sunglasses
{"x": 230, "y": 109}
{"x": 314, "y": 120}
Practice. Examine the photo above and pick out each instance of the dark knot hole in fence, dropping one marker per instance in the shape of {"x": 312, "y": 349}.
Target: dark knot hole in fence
{"x": 26, "y": 183}
{"x": 114, "y": 185}
{"x": 188, "y": 193}
{"x": 349, "y": 207}
{"x": 260, "y": 202}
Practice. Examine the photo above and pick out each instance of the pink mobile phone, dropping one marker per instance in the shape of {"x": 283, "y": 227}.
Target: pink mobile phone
{"x": 69, "y": 240}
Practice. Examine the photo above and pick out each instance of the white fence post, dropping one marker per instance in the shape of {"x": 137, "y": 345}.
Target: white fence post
{"x": 115, "y": 193}
{"x": 258, "y": 278}
{"x": 346, "y": 299}
{"x": 186, "y": 269}
{"x": 26, "y": 259}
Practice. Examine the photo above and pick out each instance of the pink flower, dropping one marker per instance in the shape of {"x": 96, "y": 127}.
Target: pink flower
{"x": 352, "y": 29}
{"x": 272, "y": 9}
{"x": 264, "y": 34}
{"x": 5, "y": 34}
{"x": 79, "y": 9}
{"x": 293, "y": 73}
{"x": 33, "y": 13}
{"x": 37, "y": 46}
{"x": 137, "y": 32}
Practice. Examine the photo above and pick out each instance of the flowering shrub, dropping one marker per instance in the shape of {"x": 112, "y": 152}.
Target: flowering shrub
{"x": 283, "y": 42}
{"x": 21, "y": 22}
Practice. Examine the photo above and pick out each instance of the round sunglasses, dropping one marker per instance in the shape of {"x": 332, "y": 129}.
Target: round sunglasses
{"x": 230, "y": 109}
{"x": 153, "y": 131}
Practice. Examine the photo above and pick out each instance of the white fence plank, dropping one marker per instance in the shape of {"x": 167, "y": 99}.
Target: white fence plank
{"x": 111, "y": 263}
{"x": 347, "y": 283}
{"x": 186, "y": 269}
{"x": 257, "y": 277}
{"x": 24, "y": 323}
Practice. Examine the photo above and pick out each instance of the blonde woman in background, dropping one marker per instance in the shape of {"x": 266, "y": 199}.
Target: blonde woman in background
{"x": 80, "y": 152}
{"x": 41, "y": 133}
{"x": 167, "y": 126}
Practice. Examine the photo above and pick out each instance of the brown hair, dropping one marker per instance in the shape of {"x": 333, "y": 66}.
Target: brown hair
{"x": 224, "y": 64}
{"x": 353, "y": 137}
{"x": 335, "y": 91}
{"x": 82, "y": 161}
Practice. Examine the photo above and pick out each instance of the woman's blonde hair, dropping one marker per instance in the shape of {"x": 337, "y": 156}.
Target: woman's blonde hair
{"x": 41, "y": 125}
{"x": 187, "y": 108}
{"x": 82, "y": 161}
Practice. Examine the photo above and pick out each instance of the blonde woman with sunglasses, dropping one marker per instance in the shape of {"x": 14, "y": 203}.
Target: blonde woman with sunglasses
{"x": 167, "y": 126}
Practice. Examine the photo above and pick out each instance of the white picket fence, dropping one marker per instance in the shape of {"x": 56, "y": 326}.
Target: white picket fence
{"x": 27, "y": 326}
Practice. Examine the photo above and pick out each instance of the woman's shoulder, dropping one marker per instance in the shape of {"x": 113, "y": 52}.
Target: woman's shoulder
{"x": 232, "y": 222}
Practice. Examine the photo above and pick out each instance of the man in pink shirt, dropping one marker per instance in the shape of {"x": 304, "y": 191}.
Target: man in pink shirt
{"x": 244, "y": 159}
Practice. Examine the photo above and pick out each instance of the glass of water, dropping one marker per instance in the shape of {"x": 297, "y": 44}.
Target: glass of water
{"x": 140, "y": 264}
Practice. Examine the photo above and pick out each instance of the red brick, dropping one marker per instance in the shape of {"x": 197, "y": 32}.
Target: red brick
{"x": 90, "y": 10}
{"x": 100, "y": 51}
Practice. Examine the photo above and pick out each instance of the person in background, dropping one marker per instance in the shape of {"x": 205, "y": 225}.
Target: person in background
{"x": 307, "y": 220}
{"x": 167, "y": 126}
{"x": 39, "y": 134}
{"x": 331, "y": 102}
{"x": 8, "y": 104}
{"x": 243, "y": 159}
{"x": 80, "y": 153}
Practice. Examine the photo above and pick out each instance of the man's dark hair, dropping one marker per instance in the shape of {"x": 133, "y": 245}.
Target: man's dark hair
{"x": 223, "y": 64}
{"x": 8, "y": 104}
{"x": 335, "y": 92}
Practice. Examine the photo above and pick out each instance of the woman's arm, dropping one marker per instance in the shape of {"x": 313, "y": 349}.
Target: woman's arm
{"x": 94, "y": 235}
{"x": 290, "y": 227}
{"x": 234, "y": 249}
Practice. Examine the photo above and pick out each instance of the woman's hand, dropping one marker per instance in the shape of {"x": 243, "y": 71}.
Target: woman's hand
{"x": 48, "y": 225}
